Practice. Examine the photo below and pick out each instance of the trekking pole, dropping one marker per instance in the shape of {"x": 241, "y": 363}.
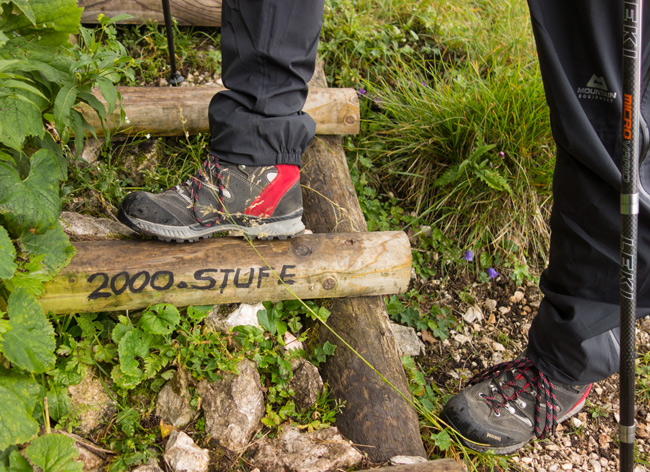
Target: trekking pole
{"x": 629, "y": 223}
{"x": 174, "y": 78}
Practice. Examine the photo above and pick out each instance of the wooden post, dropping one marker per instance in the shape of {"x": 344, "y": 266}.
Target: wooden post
{"x": 185, "y": 12}
{"x": 121, "y": 275}
{"x": 173, "y": 111}
{"x": 376, "y": 418}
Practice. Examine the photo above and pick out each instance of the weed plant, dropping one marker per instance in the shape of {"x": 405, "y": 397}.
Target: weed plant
{"x": 468, "y": 151}
{"x": 458, "y": 131}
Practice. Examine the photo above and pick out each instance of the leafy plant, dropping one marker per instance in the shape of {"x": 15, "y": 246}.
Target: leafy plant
{"x": 438, "y": 320}
{"x": 265, "y": 347}
{"x": 45, "y": 80}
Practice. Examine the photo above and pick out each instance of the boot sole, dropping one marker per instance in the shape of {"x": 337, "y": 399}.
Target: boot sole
{"x": 288, "y": 228}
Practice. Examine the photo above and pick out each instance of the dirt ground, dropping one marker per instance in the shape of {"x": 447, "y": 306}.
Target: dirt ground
{"x": 498, "y": 332}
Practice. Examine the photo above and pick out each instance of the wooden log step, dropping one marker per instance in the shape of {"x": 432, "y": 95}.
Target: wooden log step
{"x": 173, "y": 111}
{"x": 185, "y": 12}
{"x": 438, "y": 465}
{"x": 128, "y": 274}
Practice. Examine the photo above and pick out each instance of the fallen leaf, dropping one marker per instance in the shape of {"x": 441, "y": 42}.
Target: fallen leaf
{"x": 428, "y": 337}
{"x": 472, "y": 314}
{"x": 166, "y": 429}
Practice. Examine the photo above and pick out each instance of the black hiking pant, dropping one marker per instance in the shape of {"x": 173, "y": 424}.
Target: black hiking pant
{"x": 269, "y": 53}
{"x": 575, "y": 336}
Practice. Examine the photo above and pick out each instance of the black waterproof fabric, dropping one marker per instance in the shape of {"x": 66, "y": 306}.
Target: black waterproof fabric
{"x": 269, "y": 52}
{"x": 575, "y": 337}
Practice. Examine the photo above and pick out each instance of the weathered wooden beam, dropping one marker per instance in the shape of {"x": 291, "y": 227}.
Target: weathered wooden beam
{"x": 376, "y": 418}
{"x": 120, "y": 275}
{"x": 439, "y": 465}
{"x": 185, "y": 12}
{"x": 173, "y": 111}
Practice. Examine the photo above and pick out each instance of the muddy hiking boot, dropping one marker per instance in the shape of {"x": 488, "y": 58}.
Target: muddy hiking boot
{"x": 509, "y": 404}
{"x": 260, "y": 202}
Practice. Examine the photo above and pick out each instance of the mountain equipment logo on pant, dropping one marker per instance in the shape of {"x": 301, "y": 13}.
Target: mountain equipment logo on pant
{"x": 596, "y": 89}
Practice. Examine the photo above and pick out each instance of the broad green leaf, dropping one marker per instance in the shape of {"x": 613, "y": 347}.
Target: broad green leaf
{"x": 329, "y": 348}
{"x": 7, "y": 255}
{"x": 105, "y": 352}
{"x": 20, "y": 85}
{"x": 22, "y": 385}
{"x": 126, "y": 381}
{"x": 5, "y": 327}
{"x": 119, "y": 331}
{"x": 77, "y": 125}
{"x": 95, "y": 103}
{"x": 11, "y": 64}
{"x": 160, "y": 319}
{"x": 87, "y": 324}
{"x": 26, "y": 9}
{"x": 13, "y": 461}
{"x": 16, "y": 424}
{"x": 442, "y": 440}
{"x": 268, "y": 320}
{"x": 494, "y": 180}
{"x": 31, "y": 276}
{"x": 54, "y": 453}
{"x": 18, "y": 394}
{"x": 30, "y": 343}
{"x": 67, "y": 373}
{"x": 31, "y": 204}
{"x": 198, "y": 312}
{"x": 53, "y": 65}
{"x": 323, "y": 313}
{"x": 48, "y": 142}
{"x": 109, "y": 92}
{"x": 59, "y": 15}
{"x": 58, "y": 402}
{"x": 134, "y": 344}
{"x": 54, "y": 245}
{"x": 63, "y": 103}
{"x": 20, "y": 118}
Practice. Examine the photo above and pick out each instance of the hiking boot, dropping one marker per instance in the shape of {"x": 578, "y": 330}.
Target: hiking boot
{"x": 260, "y": 202}
{"x": 509, "y": 404}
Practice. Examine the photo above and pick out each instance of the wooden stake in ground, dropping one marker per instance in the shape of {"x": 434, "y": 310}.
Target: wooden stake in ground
{"x": 122, "y": 275}
{"x": 376, "y": 418}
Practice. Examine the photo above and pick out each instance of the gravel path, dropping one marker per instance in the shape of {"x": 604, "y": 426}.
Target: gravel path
{"x": 495, "y": 330}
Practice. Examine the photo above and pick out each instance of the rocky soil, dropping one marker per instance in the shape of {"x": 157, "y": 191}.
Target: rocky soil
{"x": 493, "y": 322}
{"x": 495, "y": 330}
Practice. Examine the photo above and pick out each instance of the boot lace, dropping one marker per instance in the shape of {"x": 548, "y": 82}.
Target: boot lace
{"x": 525, "y": 378}
{"x": 209, "y": 173}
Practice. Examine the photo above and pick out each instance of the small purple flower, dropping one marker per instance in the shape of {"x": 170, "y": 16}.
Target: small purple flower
{"x": 469, "y": 256}
{"x": 362, "y": 92}
{"x": 492, "y": 273}
{"x": 424, "y": 83}
{"x": 502, "y": 154}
